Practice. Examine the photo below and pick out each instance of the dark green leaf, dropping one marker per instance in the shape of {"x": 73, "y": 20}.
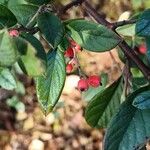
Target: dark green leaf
{"x": 64, "y": 44}
{"x": 138, "y": 79}
{"x": 142, "y": 100}
{"x": 51, "y": 27}
{"x": 38, "y": 2}
{"x": 7, "y": 80}
{"x": 92, "y": 36}
{"x": 130, "y": 128}
{"x": 8, "y": 50}
{"x": 148, "y": 48}
{"x": 50, "y": 85}
{"x": 7, "y": 18}
{"x": 103, "y": 105}
{"x": 24, "y": 13}
{"x": 143, "y": 24}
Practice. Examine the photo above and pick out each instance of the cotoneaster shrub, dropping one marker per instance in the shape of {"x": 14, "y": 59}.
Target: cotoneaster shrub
{"x": 124, "y": 106}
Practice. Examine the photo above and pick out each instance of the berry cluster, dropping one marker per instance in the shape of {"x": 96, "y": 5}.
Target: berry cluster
{"x": 93, "y": 81}
{"x": 71, "y": 54}
{"x": 84, "y": 82}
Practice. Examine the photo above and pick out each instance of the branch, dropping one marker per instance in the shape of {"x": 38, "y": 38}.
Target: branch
{"x": 123, "y": 45}
{"x": 93, "y": 13}
{"x": 122, "y": 23}
{"x": 68, "y": 6}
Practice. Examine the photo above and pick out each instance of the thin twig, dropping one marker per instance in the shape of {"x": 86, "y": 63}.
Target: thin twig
{"x": 35, "y": 16}
{"x": 122, "y": 23}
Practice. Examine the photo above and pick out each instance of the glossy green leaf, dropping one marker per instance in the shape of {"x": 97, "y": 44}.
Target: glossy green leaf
{"x": 33, "y": 59}
{"x": 92, "y": 36}
{"x": 126, "y": 30}
{"x": 51, "y": 27}
{"x": 24, "y": 13}
{"x": 143, "y": 24}
{"x": 8, "y": 50}
{"x": 7, "y": 18}
{"x": 142, "y": 100}
{"x": 103, "y": 105}
{"x": 3, "y": 2}
{"x": 15, "y": 2}
{"x": 64, "y": 44}
{"x": 7, "y": 80}
{"x": 148, "y": 48}
{"x": 38, "y": 2}
{"x": 50, "y": 85}
{"x": 130, "y": 127}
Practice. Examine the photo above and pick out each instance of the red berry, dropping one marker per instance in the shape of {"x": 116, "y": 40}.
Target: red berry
{"x": 83, "y": 85}
{"x": 142, "y": 49}
{"x": 94, "y": 81}
{"x": 14, "y": 33}
{"x": 69, "y": 53}
{"x": 69, "y": 68}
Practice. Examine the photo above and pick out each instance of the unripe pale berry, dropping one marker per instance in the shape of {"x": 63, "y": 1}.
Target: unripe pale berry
{"x": 76, "y": 46}
{"x": 69, "y": 68}
{"x": 142, "y": 49}
{"x": 83, "y": 85}
{"x": 94, "y": 81}
{"x": 14, "y": 33}
{"x": 72, "y": 43}
{"x": 69, "y": 53}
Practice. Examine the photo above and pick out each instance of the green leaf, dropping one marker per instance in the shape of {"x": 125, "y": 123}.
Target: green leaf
{"x": 33, "y": 60}
{"x": 7, "y": 80}
{"x": 130, "y": 127}
{"x": 51, "y": 27}
{"x": 148, "y": 48}
{"x": 8, "y": 50}
{"x": 138, "y": 80}
{"x": 64, "y": 44}
{"x": 38, "y": 2}
{"x": 7, "y": 18}
{"x": 24, "y": 12}
{"x": 142, "y": 100}
{"x": 50, "y": 85}
{"x": 91, "y": 92}
{"x": 92, "y": 36}
{"x": 143, "y": 24}
{"x": 3, "y": 2}
{"x": 15, "y": 2}
{"x": 103, "y": 105}
{"x": 126, "y": 30}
